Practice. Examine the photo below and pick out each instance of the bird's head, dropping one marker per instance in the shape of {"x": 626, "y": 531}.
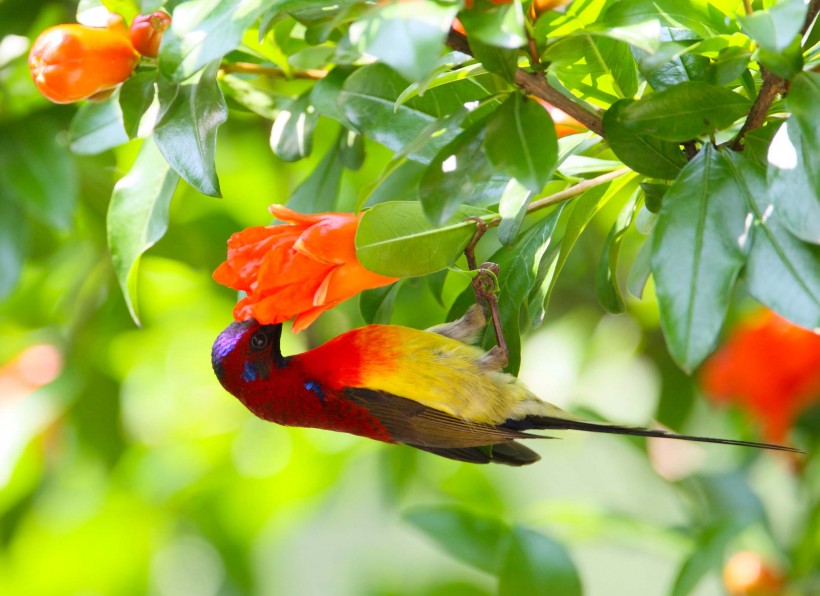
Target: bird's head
{"x": 246, "y": 352}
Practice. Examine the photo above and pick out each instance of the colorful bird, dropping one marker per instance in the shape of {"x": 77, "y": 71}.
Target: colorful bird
{"x": 427, "y": 389}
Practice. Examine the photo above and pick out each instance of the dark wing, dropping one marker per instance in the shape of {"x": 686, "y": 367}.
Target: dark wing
{"x": 426, "y": 428}
{"x": 511, "y": 454}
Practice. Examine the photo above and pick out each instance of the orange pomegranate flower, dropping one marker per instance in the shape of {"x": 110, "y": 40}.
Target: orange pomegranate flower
{"x": 768, "y": 366}
{"x": 297, "y": 269}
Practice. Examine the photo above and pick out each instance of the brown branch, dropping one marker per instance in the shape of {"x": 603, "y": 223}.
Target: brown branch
{"x": 772, "y": 86}
{"x": 270, "y": 71}
{"x": 536, "y": 84}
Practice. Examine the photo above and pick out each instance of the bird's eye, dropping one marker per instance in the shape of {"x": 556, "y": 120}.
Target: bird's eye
{"x": 259, "y": 341}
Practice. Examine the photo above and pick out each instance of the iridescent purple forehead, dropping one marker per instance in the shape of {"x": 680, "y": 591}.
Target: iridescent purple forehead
{"x": 227, "y": 340}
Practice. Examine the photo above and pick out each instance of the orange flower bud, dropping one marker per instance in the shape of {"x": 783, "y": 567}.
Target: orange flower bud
{"x": 769, "y": 367}
{"x": 74, "y": 62}
{"x": 565, "y": 124}
{"x": 298, "y": 269}
{"x": 147, "y": 30}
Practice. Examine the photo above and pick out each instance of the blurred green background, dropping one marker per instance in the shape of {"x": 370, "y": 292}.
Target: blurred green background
{"x": 132, "y": 471}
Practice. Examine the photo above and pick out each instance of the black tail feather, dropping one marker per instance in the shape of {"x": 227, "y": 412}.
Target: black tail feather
{"x": 552, "y": 423}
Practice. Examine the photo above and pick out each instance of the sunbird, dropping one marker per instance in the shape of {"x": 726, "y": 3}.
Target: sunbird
{"x": 431, "y": 390}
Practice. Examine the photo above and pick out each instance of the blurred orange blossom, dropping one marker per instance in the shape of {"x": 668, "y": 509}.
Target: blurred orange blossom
{"x": 768, "y": 366}
{"x": 297, "y": 269}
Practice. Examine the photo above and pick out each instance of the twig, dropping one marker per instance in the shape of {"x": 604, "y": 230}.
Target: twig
{"x": 535, "y": 84}
{"x": 270, "y": 71}
{"x": 574, "y": 191}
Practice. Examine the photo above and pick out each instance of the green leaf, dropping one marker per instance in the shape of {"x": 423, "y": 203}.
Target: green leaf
{"x": 700, "y": 244}
{"x": 138, "y": 216}
{"x": 500, "y": 61}
{"x": 376, "y": 305}
{"x": 325, "y": 94}
{"x": 537, "y": 565}
{"x": 36, "y": 171}
{"x": 186, "y": 130}
{"x": 351, "y": 150}
{"x": 501, "y": 26}
{"x": 460, "y": 174}
{"x": 291, "y": 137}
{"x": 136, "y": 95}
{"x": 519, "y": 268}
{"x": 797, "y": 199}
{"x": 640, "y": 271}
{"x": 681, "y": 66}
{"x": 513, "y": 209}
{"x": 583, "y": 210}
{"x": 595, "y": 68}
{"x": 368, "y": 99}
{"x": 802, "y": 102}
{"x": 13, "y": 244}
{"x": 97, "y": 127}
{"x": 641, "y": 152}
{"x": 408, "y": 36}
{"x": 730, "y": 64}
{"x": 606, "y": 278}
{"x": 685, "y": 111}
{"x": 319, "y": 192}
{"x": 397, "y": 240}
{"x": 203, "y": 31}
{"x": 729, "y": 505}
{"x": 521, "y": 142}
{"x": 477, "y": 540}
{"x": 695, "y": 15}
{"x": 786, "y": 63}
{"x": 775, "y": 28}
{"x": 782, "y": 272}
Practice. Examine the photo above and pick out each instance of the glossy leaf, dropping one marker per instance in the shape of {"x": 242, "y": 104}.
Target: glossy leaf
{"x": 477, "y": 540}
{"x": 607, "y": 286}
{"x": 291, "y": 137}
{"x": 324, "y": 94}
{"x": 537, "y": 565}
{"x": 368, "y": 98}
{"x": 789, "y": 176}
{"x": 521, "y": 142}
{"x": 583, "y": 209}
{"x": 700, "y": 244}
{"x": 501, "y": 26}
{"x": 407, "y": 36}
{"x": 782, "y": 272}
{"x": 512, "y": 208}
{"x": 138, "y": 216}
{"x": 775, "y": 28}
{"x": 500, "y": 61}
{"x": 203, "y": 31}
{"x": 396, "y": 239}
{"x": 460, "y": 174}
{"x": 186, "y": 130}
{"x": 36, "y": 171}
{"x": 319, "y": 192}
{"x": 787, "y": 63}
{"x": 685, "y": 111}
{"x": 803, "y": 104}
{"x": 97, "y": 127}
{"x": 645, "y": 154}
{"x": 136, "y": 96}
{"x": 376, "y": 305}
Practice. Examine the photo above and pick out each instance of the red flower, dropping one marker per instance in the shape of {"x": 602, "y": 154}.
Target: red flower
{"x": 770, "y": 367}
{"x": 298, "y": 269}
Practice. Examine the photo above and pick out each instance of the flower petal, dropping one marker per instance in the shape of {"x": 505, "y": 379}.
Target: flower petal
{"x": 307, "y": 318}
{"x": 331, "y": 240}
{"x": 349, "y": 279}
{"x": 294, "y": 217}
